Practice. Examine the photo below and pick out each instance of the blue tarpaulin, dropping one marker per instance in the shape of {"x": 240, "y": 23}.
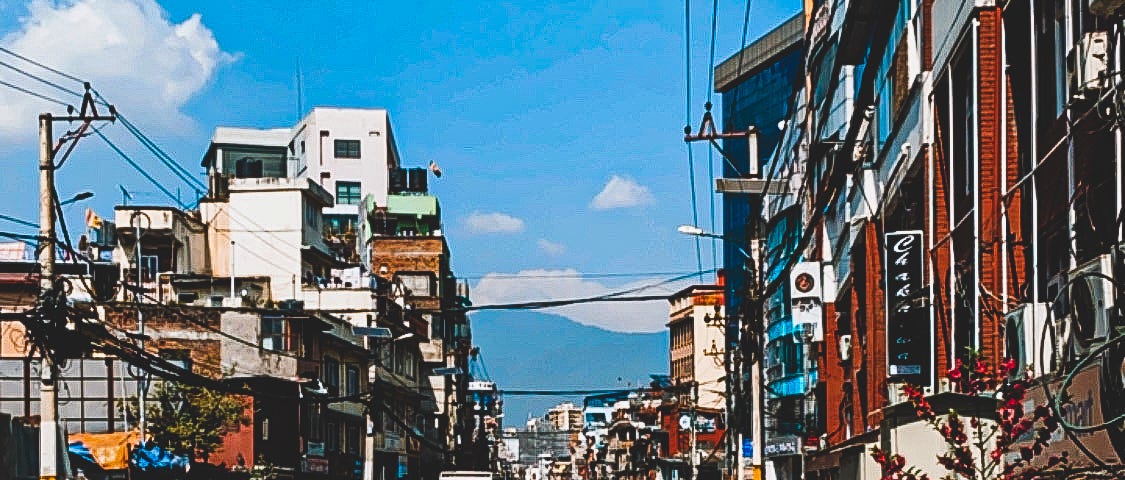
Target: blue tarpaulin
{"x": 151, "y": 457}
{"x": 77, "y": 449}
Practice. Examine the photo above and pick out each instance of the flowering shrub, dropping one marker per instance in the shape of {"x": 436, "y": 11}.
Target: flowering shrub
{"x": 975, "y": 451}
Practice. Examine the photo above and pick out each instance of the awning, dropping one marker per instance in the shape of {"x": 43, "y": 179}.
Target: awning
{"x": 315, "y": 254}
{"x": 824, "y": 460}
{"x": 110, "y": 450}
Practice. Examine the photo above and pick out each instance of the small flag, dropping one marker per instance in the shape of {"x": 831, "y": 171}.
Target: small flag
{"x": 435, "y": 168}
{"x": 92, "y": 219}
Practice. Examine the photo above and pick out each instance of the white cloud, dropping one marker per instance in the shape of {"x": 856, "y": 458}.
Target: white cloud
{"x": 494, "y": 222}
{"x": 538, "y": 285}
{"x": 622, "y": 192}
{"x": 551, "y": 248}
{"x": 131, "y": 52}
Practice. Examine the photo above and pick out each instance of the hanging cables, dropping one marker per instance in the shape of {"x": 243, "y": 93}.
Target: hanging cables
{"x": 711, "y": 151}
{"x": 40, "y": 65}
{"x": 687, "y": 129}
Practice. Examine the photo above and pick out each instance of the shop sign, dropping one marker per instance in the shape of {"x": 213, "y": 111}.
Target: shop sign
{"x": 482, "y": 386}
{"x": 781, "y": 445}
{"x": 317, "y": 465}
{"x": 909, "y": 353}
{"x": 392, "y": 441}
{"x": 1088, "y": 399}
{"x": 314, "y": 449}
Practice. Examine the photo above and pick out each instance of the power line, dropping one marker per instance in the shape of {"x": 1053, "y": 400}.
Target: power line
{"x": 39, "y": 79}
{"x": 40, "y": 65}
{"x": 620, "y": 296}
{"x": 690, "y": 157}
{"x": 36, "y": 95}
{"x": 518, "y": 276}
{"x": 139, "y": 169}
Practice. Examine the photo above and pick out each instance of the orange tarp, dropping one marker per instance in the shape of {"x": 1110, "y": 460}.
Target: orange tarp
{"x": 111, "y": 450}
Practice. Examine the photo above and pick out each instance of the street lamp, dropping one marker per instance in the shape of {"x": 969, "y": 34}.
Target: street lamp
{"x": 690, "y": 230}
{"x": 698, "y": 232}
{"x": 78, "y": 197}
{"x": 732, "y": 357}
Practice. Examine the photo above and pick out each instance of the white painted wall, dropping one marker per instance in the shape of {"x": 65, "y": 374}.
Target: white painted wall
{"x": 371, "y": 127}
{"x": 709, "y": 371}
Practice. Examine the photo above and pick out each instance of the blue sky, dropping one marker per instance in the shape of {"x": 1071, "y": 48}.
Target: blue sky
{"x": 530, "y": 108}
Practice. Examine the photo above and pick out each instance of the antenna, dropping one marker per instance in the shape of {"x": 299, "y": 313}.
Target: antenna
{"x": 300, "y": 97}
{"x": 125, "y": 195}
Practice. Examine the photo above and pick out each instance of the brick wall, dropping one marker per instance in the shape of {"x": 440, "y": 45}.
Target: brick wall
{"x": 991, "y": 134}
{"x": 408, "y": 254}
{"x": 875, "y": 333}
{"x": 834, "y": 374}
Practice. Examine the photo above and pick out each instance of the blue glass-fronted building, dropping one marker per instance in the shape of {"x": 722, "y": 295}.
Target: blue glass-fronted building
{"x": 756, "y": 91}
{"x": 756, "y": 87}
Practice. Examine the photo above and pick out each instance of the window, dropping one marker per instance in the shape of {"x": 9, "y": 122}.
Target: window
{"x": 347, "y": 193}
{"x": 148, "y": 268}
{"x": 347, "y": 148}
{"x": 351, "y": 441}
{"x": 405, "y": 362}
{"x": 352, "y": 385}
{"x": 340, "y": 224}
{"x": 332, "y": 438}
{"x": 275, "y": 334}
{"x": 437, "y": 326}
{"x": 177, "y": 356}
{"x": 316, "y": 429}
{"x": 332, "y": 375}
{"x": 419, "y": 284}
{"x": 255, "y": 162}
{"x": 312, "y": 215}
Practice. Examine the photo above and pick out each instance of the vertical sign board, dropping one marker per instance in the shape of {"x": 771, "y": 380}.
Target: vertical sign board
{"x": 909, "y": 353}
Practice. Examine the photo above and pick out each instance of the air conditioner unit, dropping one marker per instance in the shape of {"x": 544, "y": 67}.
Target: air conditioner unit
{"x": 1058, "y": 296}
{"x": 1091, "y": 307}
{"x": 1029, "y": 339}
{"x": 1086, "y": 64}
{"x": 1105, "y": 8}
{"x": 845, "y": 346}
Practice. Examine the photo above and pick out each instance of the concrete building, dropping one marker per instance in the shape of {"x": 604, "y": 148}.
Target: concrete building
{"x": 696, "y": 328}
{"x": 692, "y": 418}
{"x": 305, "y": 235}
{"x": 565, "y": 417}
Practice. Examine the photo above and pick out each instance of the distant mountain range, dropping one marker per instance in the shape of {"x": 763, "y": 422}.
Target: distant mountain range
{"x": 529, "y": 350}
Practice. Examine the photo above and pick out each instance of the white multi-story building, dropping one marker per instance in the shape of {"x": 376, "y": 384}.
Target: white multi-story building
{"x": 696, "y": 324}
{"x": 305, "y": 186}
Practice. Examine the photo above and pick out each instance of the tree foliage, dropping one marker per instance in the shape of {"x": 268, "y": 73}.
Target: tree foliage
{"x": 190, "y": 420}
{"x": 974, "y": 450}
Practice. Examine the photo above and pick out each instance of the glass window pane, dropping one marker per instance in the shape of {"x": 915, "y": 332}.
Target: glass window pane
{"x": 346, "y": 148}
{"x": 347, "y": 193}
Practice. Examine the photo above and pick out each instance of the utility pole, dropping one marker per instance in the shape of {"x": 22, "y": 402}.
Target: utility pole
{"x": 232, "y": 274}
{"x": 694, "y": 404}
{"x": 48, "y": 373}
{"x": 142, "y": 378}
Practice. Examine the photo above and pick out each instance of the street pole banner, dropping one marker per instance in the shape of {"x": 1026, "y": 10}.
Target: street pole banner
{"x": 909, "y": 356}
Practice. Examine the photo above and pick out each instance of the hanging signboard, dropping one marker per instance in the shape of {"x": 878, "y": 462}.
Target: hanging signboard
{"x": 909, "y": 348}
